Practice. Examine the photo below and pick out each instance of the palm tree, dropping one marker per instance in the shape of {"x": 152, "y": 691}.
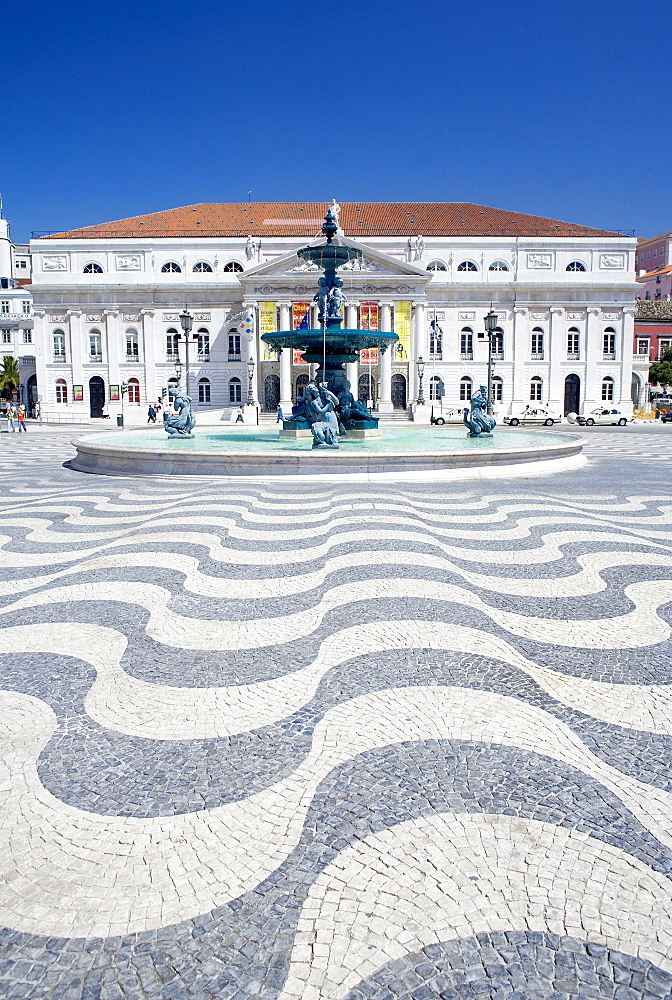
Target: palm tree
{"x": 9, "y": 375}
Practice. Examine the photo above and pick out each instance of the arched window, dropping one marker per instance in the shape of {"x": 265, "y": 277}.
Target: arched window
{"x": 204, "y": 390}
{"x": 172, "y": 340}
{"x": 133, "y": 390}
{"x": 170, "y": 267}
{"x": 436, "y": 265}
{"x": 536, "y": 386}
{"x": 93, "y": 268}
{"x": 465, "y": 388}
{"x": 573, "y": 335}
{"x": 61, "y": 390}
{"x": 435, "y": 388}
{"x": 467, "y": 344}
{"x": 467, "y": 265}
{"x": 537, "y": 346}
{"x": 202, "y": 267}
{"x": 131, "y": 344}
{"x": 232, "y": 265}
{"x": 575, "y": 265}
{"x": 203, "y": 342}
{"x": 607, "y": 389}
{"x": 609, "y": 344}
{"x": 498, "y": 344}
{"x": 59, "y": 345}
{"x": 498, "y": 265}
{"x": 235, "y": 391}
{"x": 497, "y": 389}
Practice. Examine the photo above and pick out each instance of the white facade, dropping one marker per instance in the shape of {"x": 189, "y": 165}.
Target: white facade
{"x": 104, "y": 309}
{"x": 16, "y": 317}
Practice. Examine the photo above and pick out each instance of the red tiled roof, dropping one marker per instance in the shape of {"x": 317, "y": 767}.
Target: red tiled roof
{"x": 655, "y": 273}
{"x": 367, "y": 218}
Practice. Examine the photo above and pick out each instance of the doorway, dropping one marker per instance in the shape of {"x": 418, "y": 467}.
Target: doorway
{"x": 572, "y": 394}
{"x": 96, "y": 396}
{"x": 302, "y": 381}
{"x": 366, "y": 387}
{"x": 399, "y": 392}
{"x": 271, "y": 393}
{"x": 31, "y": 393}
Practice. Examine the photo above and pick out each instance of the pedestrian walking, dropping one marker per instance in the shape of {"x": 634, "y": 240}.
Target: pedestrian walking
{"x": 279, "y": 417}
{"x": 240, "y": 419}
{"x": 151, "y": 415}
{"x": 11, "y": 418}
{"x": 21, "y": 419}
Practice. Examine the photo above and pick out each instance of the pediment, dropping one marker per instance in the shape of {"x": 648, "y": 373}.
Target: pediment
{"x": 373, "y": 262}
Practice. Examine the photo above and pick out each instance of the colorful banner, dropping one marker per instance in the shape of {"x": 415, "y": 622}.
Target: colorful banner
{"x": 114, "y": 392}
{"x": 78, "y": 393}
{"x": 298, "y": 358}
{"x": 368, "y": 316}
{"x": 402, "y": 328}
{"x": 268, "y": 323}
{"x": 299, "y": 310}
{"x": 369, "y": 356}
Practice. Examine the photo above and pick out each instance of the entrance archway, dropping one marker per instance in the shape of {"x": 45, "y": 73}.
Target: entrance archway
{"x": 366, "y": 387}
{"x": 271, "y": 393}
{"x": 96, "y": 396}
{"x": 572, "y": 394}
{"x": 31, "y": 393}
{"x": 636, "y": 392}
{"x": 399, "y": 391}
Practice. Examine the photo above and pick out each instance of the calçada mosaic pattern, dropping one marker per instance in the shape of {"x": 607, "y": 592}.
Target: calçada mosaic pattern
{"x": 318, "y": 741}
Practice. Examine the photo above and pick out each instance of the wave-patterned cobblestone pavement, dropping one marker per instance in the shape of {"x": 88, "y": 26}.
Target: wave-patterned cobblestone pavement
{"x": 335, "y": 742}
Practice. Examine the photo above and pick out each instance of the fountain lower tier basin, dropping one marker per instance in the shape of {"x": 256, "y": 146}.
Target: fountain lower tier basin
{"x": 408, "y": 453}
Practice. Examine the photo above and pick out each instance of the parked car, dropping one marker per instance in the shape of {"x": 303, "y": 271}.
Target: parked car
{"x": 666, "y": 417}
{"x": 453, "y": 416}
{"x": 534, "y": 415}
{"x": 602, "y": 416}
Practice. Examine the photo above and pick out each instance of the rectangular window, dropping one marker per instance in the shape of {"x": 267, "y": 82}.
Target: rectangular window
{"x": 27, "y": 336}
{"x": 6, "y": 337}
{"x": 572, "y": 346}
{"x": 204, "y": 392}
{"x": 497, "y": 338}
{"x": 22, "y": 264}
{"x": 4, "y": 307}
{"x": 663, "y": 345}
{"x": 59, "y": 346}
{"x": 203, "y": 342}
{"x": 465, "y": 389}
{"x": 609, "y": 346}
{"x": 25, "y": 307}
{"x": 655, "y": 253}
{"x": 467, "y": 346}
{"x": 131, "y": 346}
{"x": 643, "y": 347}
{"x": 537, "y": 345}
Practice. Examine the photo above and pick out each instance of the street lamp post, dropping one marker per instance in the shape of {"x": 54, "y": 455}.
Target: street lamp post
{"x": 250, "y": 376}
{"x": 421, "y": 372}
{"x": 186, "y": 322}
{"x": 490, "y": 326}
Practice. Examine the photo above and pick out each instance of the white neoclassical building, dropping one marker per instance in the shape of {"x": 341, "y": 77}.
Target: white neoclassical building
{"x": 107, "y": 300}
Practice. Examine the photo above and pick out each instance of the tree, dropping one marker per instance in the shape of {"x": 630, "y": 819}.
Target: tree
{"x": 660, "y": 372}
{"x": 9, "y": 374}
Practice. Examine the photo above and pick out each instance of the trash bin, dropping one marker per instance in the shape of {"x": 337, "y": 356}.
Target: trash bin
{"x": 120, "y": 419}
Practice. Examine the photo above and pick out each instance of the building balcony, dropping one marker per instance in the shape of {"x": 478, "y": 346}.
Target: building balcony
{"x": 537, "y": 356}
{"x": 95, "y": 359}
{"x": 59, "y": 359}
{"x": 466, "y": 355}
{"x": 234, "y": 357}
{"x": 132, "y": 358}
{"x": 573, "y": 356}
{"x": 609, "y": 356}
{"x": 436, "y": 355}
{"x": 172, "y": 357}
{"x": 203, "y": 356}
{"x": 498, "y": 355}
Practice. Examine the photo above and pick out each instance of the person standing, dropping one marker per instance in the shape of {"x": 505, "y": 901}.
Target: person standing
{"x": 11, "y": 418}
{"x": 21, "y": 419}
{"x": 279, "y": 416}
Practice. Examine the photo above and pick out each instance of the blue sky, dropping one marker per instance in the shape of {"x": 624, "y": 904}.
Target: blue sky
{"x": 113, "y": 109}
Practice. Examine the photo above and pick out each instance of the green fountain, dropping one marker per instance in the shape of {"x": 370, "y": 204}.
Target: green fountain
{"x": 329, "y": 410}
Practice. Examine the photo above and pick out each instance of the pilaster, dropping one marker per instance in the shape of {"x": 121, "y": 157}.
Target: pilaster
{"x": 285, "y": 361}
{"x": 556, "y": 352}
{"x": 112, "y": 349}
{"x": 78, "y": 349}
{"x": 593, "y": 353}
{"x": 520, "y": 348}
{"x": 626, "y": 348}
{"x": 149, "y": 354}
{"x": 385, "y": 402}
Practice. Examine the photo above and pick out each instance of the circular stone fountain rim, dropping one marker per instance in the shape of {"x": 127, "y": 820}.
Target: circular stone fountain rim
{"x": 103, "y": 459}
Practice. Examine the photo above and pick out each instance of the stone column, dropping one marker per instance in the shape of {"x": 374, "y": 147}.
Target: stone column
{"x": 149, "y": 355}
{"x": 252, "y": 353}
{"x": 77, "y": 352}
{"x": 420, "y": 349}
{"x": 285, "y": 362}
{"x": 385, "y": 402}
{"x": 556, "y": 353}
{"x": 590, "y": 388}
{"x": 520, "y": 349}
{"x": 112, "y": 350}
{"x": 352, "y": 368}
{"x": 626, "y": 345}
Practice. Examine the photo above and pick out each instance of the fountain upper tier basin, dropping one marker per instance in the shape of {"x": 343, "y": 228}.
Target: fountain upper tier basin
{"x": 342, "y": 346}
{"x": 403, "y": 454}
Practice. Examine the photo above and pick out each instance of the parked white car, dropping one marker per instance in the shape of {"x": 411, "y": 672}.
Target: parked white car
{"x": 602, "y": 416}
{"x": 453, "y": 416}
{"x": 534, "y": 415}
